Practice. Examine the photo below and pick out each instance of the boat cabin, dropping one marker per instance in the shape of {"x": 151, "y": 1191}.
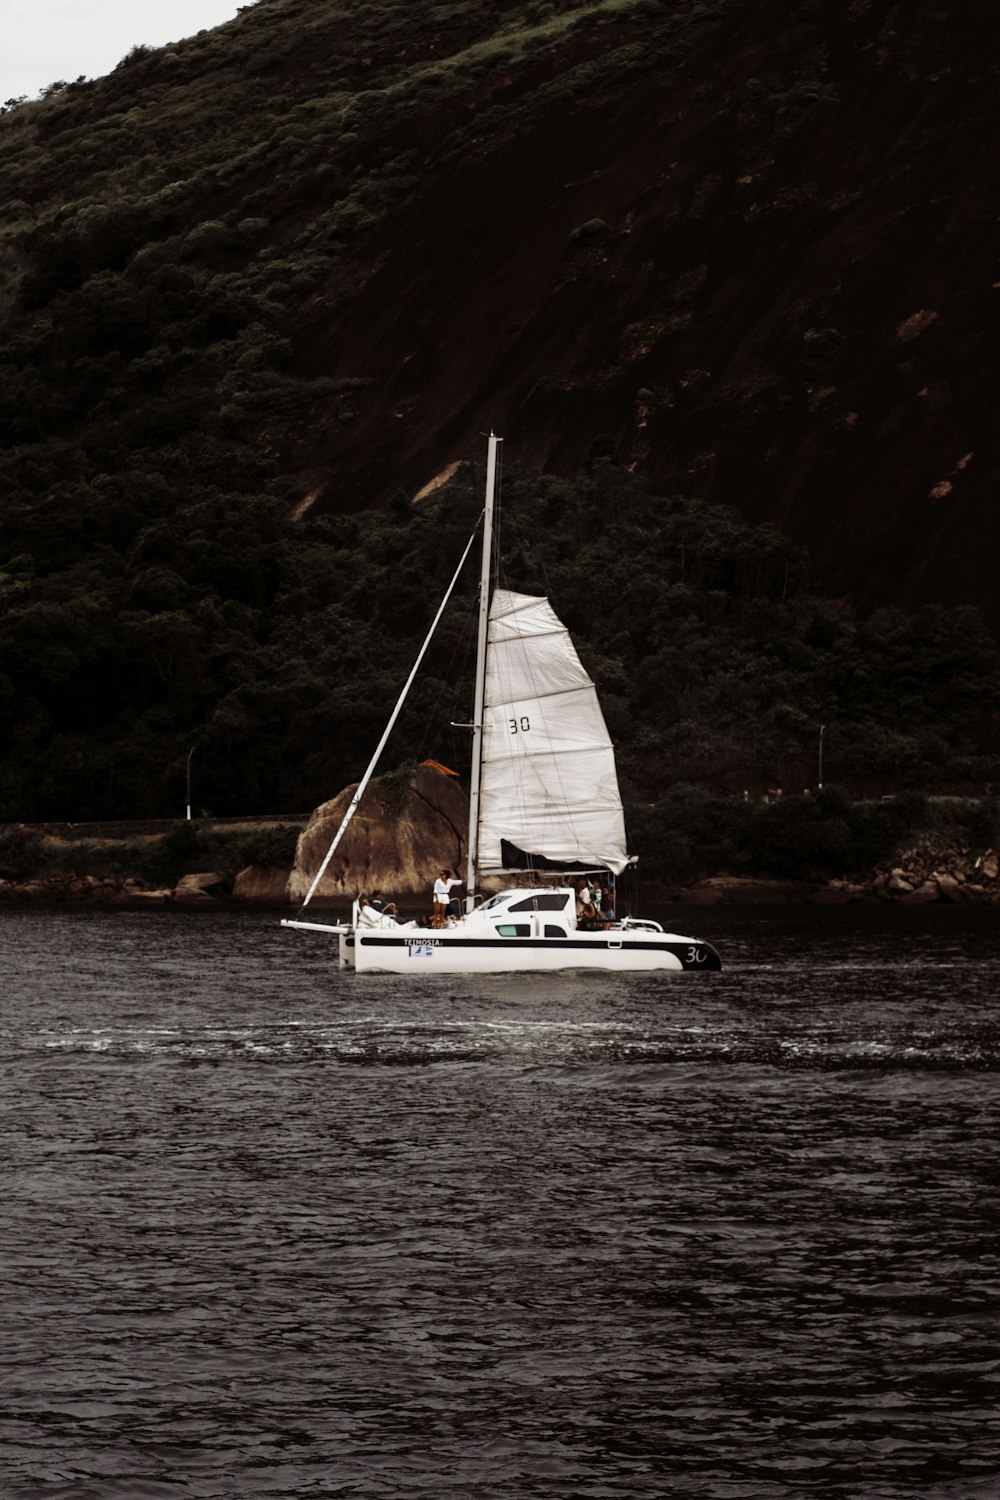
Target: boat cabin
{"x": 545, "y": 911}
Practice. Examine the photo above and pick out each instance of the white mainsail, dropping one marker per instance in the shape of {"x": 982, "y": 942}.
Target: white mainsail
{"x": 549, "y": 784}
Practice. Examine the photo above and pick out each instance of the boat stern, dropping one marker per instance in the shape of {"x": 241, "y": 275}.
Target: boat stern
{"x": 697, "y": 957}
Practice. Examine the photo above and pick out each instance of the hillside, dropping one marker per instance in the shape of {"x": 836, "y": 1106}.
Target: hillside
{"x": 792, "y": 308}
{"x": 292, "y": 267}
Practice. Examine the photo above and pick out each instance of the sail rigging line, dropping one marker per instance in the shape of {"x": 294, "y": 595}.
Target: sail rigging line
{"x": 363, "y": 783}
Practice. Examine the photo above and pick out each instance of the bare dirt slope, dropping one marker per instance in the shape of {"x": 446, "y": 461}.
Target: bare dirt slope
{"x": 790, "y": 303}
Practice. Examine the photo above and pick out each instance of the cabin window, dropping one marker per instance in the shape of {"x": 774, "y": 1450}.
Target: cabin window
{"x": 551, "y": 931}
{"x": 513, "y": 929}
{"x": 551, "y": 901}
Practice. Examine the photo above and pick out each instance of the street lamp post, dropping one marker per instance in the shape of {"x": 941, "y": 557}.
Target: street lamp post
{"x": 190, "y": 753}
{"x": 819, "y": 783}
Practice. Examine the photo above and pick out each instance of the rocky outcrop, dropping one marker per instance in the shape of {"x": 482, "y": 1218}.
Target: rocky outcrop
{"x": 405, "y": 829}
{"x": 95, "y": 890}
{"x": 934, "y": 871}
{"x": 938, "y": 871}
{"x": 201, "y": 889}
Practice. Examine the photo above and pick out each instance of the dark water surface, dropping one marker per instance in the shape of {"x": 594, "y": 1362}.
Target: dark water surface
{"x": 270, "y": 1230}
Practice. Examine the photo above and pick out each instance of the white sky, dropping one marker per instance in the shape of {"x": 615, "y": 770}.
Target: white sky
{"x": 42, "y": 40}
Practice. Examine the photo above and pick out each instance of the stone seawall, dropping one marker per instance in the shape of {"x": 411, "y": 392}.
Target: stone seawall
{"x": 261, "y": 884}
{"x": 106, "y": 863}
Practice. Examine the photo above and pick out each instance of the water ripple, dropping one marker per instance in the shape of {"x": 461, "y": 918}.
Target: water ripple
{"x": 275, "y": 1231}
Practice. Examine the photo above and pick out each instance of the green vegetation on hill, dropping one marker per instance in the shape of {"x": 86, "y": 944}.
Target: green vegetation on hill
{"x": 166, "y": 226}
{"x": 171, "y": 234}
{"x": 276, "y": 648}
{"x": 693, "y": 832}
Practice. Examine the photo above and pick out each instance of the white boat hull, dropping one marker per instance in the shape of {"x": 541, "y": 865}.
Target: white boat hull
{"x": 519, "y": 931}
{"x": 455, "y": 952}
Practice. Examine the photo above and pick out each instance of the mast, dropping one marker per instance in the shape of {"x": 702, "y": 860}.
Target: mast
{"x": 480, "y": 693}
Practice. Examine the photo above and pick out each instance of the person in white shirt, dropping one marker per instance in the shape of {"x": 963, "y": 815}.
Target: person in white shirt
{"x": 442, "y": 895}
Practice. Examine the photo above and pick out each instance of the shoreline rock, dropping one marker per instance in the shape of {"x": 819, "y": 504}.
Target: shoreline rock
{"x": 427, "y": 813}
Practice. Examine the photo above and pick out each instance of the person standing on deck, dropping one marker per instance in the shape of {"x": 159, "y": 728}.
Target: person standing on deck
{"x": 442, "y": 895}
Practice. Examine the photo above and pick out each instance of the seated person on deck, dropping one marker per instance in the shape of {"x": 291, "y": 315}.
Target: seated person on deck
{"x": 588, "y": 917}
{"x": 368, "y": 916}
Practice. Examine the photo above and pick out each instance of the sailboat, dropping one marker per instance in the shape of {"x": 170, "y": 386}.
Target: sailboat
{"x": 544, "y": 801}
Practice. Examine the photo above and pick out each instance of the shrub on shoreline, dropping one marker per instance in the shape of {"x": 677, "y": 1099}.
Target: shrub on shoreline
{"x": 691, "y": 833}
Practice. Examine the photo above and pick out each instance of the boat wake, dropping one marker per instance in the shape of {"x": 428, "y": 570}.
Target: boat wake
{"x": 376, "y": 1042}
